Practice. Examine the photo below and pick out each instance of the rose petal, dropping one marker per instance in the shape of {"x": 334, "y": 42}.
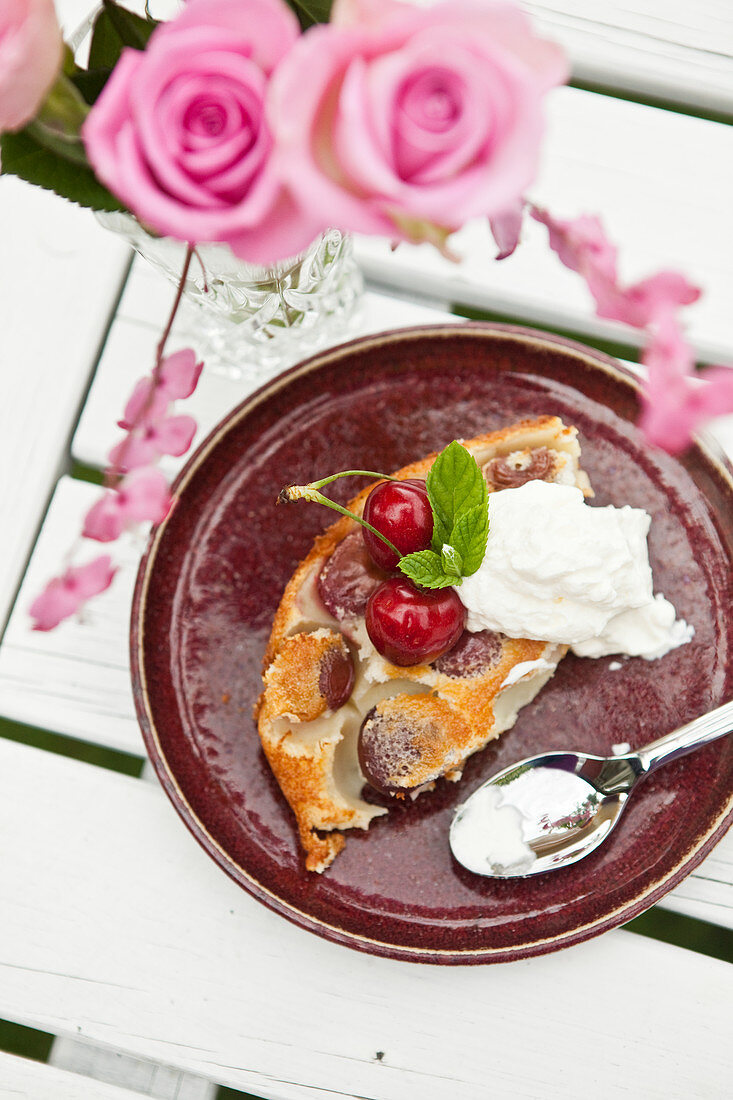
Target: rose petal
{"x": 270, "y": 26}
{"x": 31, "y": 52}
{"x": 506, "y": 229}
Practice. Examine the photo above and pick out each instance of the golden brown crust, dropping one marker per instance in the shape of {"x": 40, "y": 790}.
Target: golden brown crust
{"x": 294, "y": 679}
{"x": 312, "y": 750}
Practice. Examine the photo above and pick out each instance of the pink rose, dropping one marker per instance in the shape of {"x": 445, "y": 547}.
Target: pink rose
{"x": 179, "y": 133}
{"x": 31, "y": 51}
{"x": 406, "y": 121}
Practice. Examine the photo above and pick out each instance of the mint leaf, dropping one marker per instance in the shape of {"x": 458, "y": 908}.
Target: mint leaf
{"x": 455, "y": 485}
{"x": 23, "y": 156}
{"x": 426, "y": 568}
{"x": 452, "y": 561}
{"x": 468, "y": 538}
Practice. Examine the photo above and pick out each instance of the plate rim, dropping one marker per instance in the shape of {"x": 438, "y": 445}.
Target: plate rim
{"x": 384, "y": 948}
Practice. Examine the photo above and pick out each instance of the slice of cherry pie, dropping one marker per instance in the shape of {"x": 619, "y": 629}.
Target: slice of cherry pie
{"x": 336, "y": 714}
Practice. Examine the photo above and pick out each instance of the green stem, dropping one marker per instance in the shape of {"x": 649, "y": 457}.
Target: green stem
{"x": 310, "y": 492}
{"x": 350, "y": 473}
{"x": 58, "y": 123}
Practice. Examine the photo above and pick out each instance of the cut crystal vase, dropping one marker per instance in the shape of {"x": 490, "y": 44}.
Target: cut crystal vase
{"x": 246, "y": 321}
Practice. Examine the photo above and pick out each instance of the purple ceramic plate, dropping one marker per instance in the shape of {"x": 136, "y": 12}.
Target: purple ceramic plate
{"x": 215, "y": 571}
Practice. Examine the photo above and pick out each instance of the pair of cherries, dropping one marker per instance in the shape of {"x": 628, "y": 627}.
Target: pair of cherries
{"x": 407, "y": 624}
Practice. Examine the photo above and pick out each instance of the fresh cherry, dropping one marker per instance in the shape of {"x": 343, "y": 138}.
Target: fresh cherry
{"x": 401, "y": 511}
{"x": 410, "y": 625}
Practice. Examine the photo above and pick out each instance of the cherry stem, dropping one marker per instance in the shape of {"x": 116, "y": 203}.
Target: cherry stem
{"x": 310, "y": 492}
{"x": 349, "y": 473}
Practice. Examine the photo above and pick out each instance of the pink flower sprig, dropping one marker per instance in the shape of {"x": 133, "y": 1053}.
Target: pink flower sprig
{"x": 676, "y": 399}
{"x": 151, "y": 431}
{"x": 136, "y": 491}
{"x": 582, "y": 245}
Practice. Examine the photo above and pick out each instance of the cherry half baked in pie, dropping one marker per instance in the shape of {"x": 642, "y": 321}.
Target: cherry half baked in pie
{"x": 372, "y": 679}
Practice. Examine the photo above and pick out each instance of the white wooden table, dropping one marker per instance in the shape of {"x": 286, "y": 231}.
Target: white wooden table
{"x": 118, "y": 936}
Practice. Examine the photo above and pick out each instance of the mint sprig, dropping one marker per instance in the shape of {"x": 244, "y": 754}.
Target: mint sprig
{"x": 459, "y": 498}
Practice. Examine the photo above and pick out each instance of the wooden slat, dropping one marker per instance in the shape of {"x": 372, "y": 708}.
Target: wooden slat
{"x": 143, "y": 1076}
{"x": 59, "y": 279}
{"x": 669, "y": 49}
{"x": 76, "y": 680}
{"x": 117, "y": 927}
{"x": 22, "y": 1079}
{"x": 653, "y": 176}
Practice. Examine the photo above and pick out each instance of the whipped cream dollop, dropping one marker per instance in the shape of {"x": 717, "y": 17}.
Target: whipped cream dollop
{"x": 559, "y": 570}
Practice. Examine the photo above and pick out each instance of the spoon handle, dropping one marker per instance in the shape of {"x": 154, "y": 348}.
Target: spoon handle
{"x": 686, "y": 738}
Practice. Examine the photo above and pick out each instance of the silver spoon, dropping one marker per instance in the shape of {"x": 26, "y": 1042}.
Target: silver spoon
{"x": 552, "y": 810}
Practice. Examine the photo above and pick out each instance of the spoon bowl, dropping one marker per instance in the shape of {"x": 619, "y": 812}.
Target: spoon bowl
{"x": 551, "y": 810}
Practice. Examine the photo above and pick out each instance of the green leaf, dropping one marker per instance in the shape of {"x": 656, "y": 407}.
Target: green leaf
{"x": 426, "y": 568}
{"x": 469, "y": 538}
{"x": 311, "y": 11}
{"x": 23, "y": 156}
{"x": 455, "y": 485}
{"x": 452, "y": 561}
{"x": 90, "y": 83}
{"x": 114, "y": 29}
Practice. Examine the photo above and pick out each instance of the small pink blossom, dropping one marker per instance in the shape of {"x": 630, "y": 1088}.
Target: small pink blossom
{"x": 147, "y": 404}
{"x": 150, "y": 399}
{"x": 582, "y": 245}
{"x": 169, "y": 435}
{"x": 64, "y": 595}
{"x": 31, "y": 51}
{"x": 179, "y": 373}
{"x": 180, "y": 133}
{"x": 676, "y": 399}
{"x": 649, "y": 300}
{"x": 407, "y": 121}
{"x": 141, "y": 496}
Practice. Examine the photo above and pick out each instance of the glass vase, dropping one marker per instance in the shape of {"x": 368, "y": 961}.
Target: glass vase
{"x": 246, "y": 321}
